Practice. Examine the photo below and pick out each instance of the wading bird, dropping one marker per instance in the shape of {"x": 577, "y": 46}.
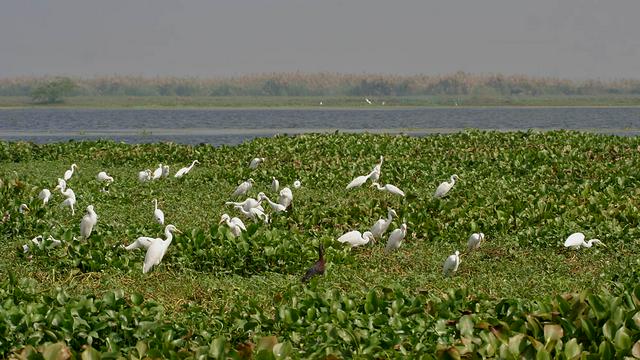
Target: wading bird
{"x": 374, "y": 175}
{"x": 474, "y": 241}
{"x": 157, "y": 173}
{"x": 317, "y": 268}
{"x": 286, "y": 197}
{"x": 380, "y": 227}
{"x": 23, "y": 209}
{"x": 275, "y": 184}
{"x": 45, "y": 195}
{"x": 158, "y": 248}
{"x": 235, "y": 224}
{"x": 103, "y": 177}
{"x": 185, "y": 170}
{"x": 254, "y": 214}
{"x": 88, "y": 222}
{"x": 144, "y": 175}
{"x": 358, "y": 181}
{"x": 157, "y": 213}
{"x": 142, "y": 242}
{"x": 444, "y": 187}
{"x": 368, "y": 101}
{"x": 451, "y": 264}
{"x": 396, "y": 237}
{"x": 62, "y": 185}
{"x": 354, "y": 238}
{"x": 248, "y": 203}
{"x": 255, "y": 162}
{"x": 243, "y": 188}
{"x": 389, "y": 188}
{"x": 274, "y": 206}
{"x": 40, "y": 242}
{"x": 165, "y": 170}
{"x": 576, "y": 240}
{"x": 70, "y": 200}
{"x": 69, "y": 173}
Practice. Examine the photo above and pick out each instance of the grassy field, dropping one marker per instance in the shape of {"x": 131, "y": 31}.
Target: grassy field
{"x": 314, "y": 102}
{"x": 214, "y": 295}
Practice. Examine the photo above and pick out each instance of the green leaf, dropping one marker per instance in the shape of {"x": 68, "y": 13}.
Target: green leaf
{"x": 465, "y": 326}
{"x": 57, "y": 351}
{"x": 216, "y": 348}
{"x": 572, "y": 349}
{"x": 91, "y": 354}
{"x": 622, "y": 340}
{"x": 136, "y": 299}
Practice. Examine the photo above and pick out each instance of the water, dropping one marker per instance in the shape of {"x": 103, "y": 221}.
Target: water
{"x": 233, "y": 126}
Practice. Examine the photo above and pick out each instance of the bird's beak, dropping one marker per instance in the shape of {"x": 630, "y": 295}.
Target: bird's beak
{"x": 221, "y": 221}
{"x": 26, "y": 208}
{"x": 178, "y": 231}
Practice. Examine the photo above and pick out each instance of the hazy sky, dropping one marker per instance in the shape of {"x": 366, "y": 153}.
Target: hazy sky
{"x": 566, "y": 38}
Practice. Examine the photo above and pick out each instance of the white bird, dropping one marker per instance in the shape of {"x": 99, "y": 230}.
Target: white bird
{"x": 165, "y": 170}
{"x": 576, "y": 240}
{"x": 45, "y": 195}
{"x": 158, "y": 248}
{"x": 247, "y": 204}
{"x": 254, "y": 214}
{"x": 396, "y": 237}
{"x": 70, "y": 200}
{"x": 23, "y": 209}
{"x": 144, "y": 175}
{"x": 354, "y": 238}
{"x": 380, "y": 227}
{"x": 69, "y": 173}
{"x": 275, "y": 184}
{"x": 39, "y": 242}
{"x": 185, "y": 170}
{"x": 358, "y": 181}
{"x": 368, "y": 101}
{"x": 389, "y": 188}
{"x": 62, "y": 185}
{"x": 255, "y": 162}
{"x": 444, "y": 187}
{"x": 235, "y": 224}
{"x": 375, "y": 173}
{"x": 102, "y": 176}
{"x": 474, "y": 241}
{"x": 274, "y": 206}
{"x": 286, "y": 197}
{"x": 451, "y": 264}
{"x": 141, "y": 242}
{"x": 243, "y": 188}
{"x": 157, "y": 213}
{"x": 297, "y": 184}
{"x": 88, "y": 222}
{"x": 157, "y": 173}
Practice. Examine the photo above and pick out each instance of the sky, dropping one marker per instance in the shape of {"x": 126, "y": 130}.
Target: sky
{"x": 575, "y": 39}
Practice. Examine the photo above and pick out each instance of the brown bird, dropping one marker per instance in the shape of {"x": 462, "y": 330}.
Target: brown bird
{"x": 317, "y": 268}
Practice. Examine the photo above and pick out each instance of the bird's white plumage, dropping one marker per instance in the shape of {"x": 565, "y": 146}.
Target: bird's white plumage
{"x": 88, "y": 222}
{"x": 157, "y": 213}
{"x": 70, "y": 199}
{"x": 142, "y": 242}
{"x": 23, "y": 209}
{"x": 44, "y": 195}
{"x": 165, "y": 170}
{"x": 157, "y": 173}
{"x": 255, "y": 162}
{"x": 275, "y": 184}
{"x": 576, "y": 240}
{"x": 368, "y": 101}
{"x": 358, "y": 181}
{"x": 254, "y": 214}
{"x": 158, "y": 248}
{"x": 144, "y": 175}
{"x": 396, "y": 237}
{"x": 451, "y": 264}
{"x": 444, "y": 187}
{"x": 185, "y": 170}
{"x": 235, "y": 224}
{"x": 355, "y": 238}
{"x": 389, "y": 188}
{"x": 474, "y": 241}
{"x": 274, "y": 206}
{"x": 286, "y": 197}
{"x": 247, "y": 204}
{"x": 243, "y": 188}
{"x": 375, "y": 173}
{"x": 102, "y": 176}
{"x": 62, "y": 185}
{"x": 380, "y": 227}
{"x": 69, "y": 173}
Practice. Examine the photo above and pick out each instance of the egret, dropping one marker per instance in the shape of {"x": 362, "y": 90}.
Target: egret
{"x": 396, "y": 237}
{"x": 247, "y": 204}
{"x": 62, "y": 185}
{"x": 23, "y": 209}
{"x": 358, "y": 181}
{"x": 389, "y": 188}
{"x": 297, "y": 184}
{"x": 39, "y": 241}
{"x": 69, "y": 173}
{"x": 255, "y": 162}
{"x": 576, "y": 240}
{"x": 275, "y": 184}
{"x": 45, "y": 195}
{"x": 103, "y": 177}
{"x": 286, "y": 197}
{"x": 274, "y": 206}
{"x": 243, "y": 188}
{"x": 444, "y": 187}
{"x": 374, "y": 175}
{"x": 474, "y": 241}
{"x": 70, "y": 200}
{"x": 451, "y": 264}
{"x": 141, "y": 242}
{"x": 254, "y": 214}
{"x": 380, "y": 227}
{"x": 165, "y": 170}
{"x": 185, "y": 170}
{"x": 88, "y": 222}
{"x": 158, "y": 248}
{"x": 157, "y": 173}
{"x": 354, "y": 238}
{"x": 144, "y": 175}
{"x": 235, "y": 224}
{"x": 318, "y": 266}
{"x": 368, "y": 101}
{"x": 157, "y": 213}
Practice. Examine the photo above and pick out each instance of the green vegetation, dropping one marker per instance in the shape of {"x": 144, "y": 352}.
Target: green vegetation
{"x": 522, "y": 292}
{"x": 52, "y": 91}
{"x": 298, "y": 89}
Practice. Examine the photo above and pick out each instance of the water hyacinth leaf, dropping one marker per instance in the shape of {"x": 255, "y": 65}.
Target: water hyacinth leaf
{"x": 572, "y": 349}
{"x": 57, "y": 351}
{"x": 622, "y": 340}
{"x": 90, "y": 354}
{"x": 635, "y": 351}
{"x": 552, "y": 332}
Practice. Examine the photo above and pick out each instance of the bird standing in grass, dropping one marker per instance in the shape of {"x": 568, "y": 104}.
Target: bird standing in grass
{"x": 451, "y": 264}
{"x": 275, "y": 184}
{"x": 389, "y": 188}
{"x": 286, "y": 197}
{"x": 274, "y": 206}
{"x": 157, "y": 173}
{"x": 354, "y": 238}
{"x": 23, "y": 209}
{"x": 144, "y": 175}
{"x": 444, "y": 187}
{"x": 185, "y": 170}
{"x": 358, "y": 181}
{"x": 103, "y": 177}
{"x": 235, "y": 224}
{"x": 243, "y": 188}
{"x": 255, "y": 162}
{"x": 380, "y": 227}
{"x": 576, "y": 240}
{"x": 88, "y": 222}
{"x": 317, "y": 268}
{"x": 396, "y": 237}
{"x": 158, "y": 248}
{"x": 157, "y": 213}
{"x": 374, "y": 175}
{"x": 141, "y": 242}
{"x": 45, "y": 195}
{"x": 474, "y": 241}
{"x": 69, "y": 173}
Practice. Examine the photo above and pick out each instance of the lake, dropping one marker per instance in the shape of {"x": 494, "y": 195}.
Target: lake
{"x": 233, "y": 126}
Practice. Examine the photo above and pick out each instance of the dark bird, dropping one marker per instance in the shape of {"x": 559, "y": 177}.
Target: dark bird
{"x": 317, "y": 268}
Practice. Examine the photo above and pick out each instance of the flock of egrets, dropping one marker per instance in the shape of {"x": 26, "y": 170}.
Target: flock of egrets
{"x": 251, "y": 208}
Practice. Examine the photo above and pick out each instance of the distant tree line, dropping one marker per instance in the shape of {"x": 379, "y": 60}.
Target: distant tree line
{"x": 51, "y": 89}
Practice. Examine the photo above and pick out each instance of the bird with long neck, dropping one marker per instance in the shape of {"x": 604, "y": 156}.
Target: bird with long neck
{"x": 444, "y": 187}
{"x": 317, "y": 268}
{"x": 389, "y": 188}
{"x": 374, "y": 175}
{"x": 69, "y": 173}
{"x": 158, "y": 248}
{"x": 185, "y": 170}
{"x": 158, "y": 214}
{"x": 274, "y": 206}
{"x": 378, "y": 229}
